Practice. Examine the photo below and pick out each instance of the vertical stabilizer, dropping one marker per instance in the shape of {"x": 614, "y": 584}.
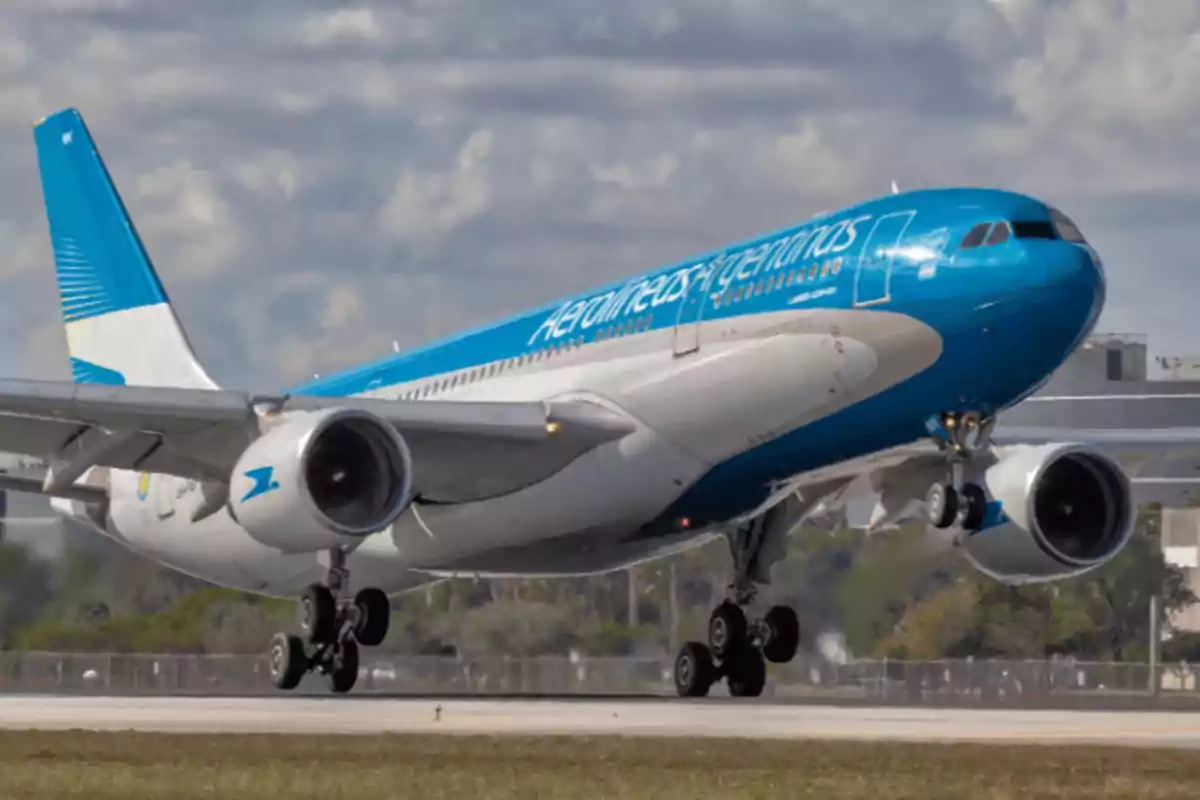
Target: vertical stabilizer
{"x": 119, "y": 323}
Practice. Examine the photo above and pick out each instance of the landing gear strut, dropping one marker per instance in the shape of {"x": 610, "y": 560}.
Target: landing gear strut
{"x": 738, "y": 646}
{"x": 954, "y": 502}
{"x": 334, "y": 627}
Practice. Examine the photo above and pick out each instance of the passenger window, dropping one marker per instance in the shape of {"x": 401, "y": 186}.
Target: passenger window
{"x": 837, "y": 265}
{"x": 975, "y": 236}
{"x": 999, "y": 234}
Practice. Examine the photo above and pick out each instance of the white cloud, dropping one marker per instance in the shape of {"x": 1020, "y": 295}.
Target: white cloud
{"x": 430, "y": 205}
{"x": 343, "y": 24}
{"x": 270, "y": 172}
{"x": 342, "y": 305}
{"x": 184, "y": 211}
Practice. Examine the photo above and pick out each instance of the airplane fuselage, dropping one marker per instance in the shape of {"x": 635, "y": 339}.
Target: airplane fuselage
{"x": 741, "y": 369}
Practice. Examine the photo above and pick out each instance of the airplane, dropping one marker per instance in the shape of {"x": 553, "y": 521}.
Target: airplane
{"x": 735, "y": 394}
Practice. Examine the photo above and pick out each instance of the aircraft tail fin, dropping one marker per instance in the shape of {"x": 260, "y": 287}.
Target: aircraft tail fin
{"x": 119, "y": 323}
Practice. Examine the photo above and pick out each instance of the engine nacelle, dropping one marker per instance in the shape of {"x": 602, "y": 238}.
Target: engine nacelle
{"x": 320, "y": 480}
{"x": 1055, "y": 510}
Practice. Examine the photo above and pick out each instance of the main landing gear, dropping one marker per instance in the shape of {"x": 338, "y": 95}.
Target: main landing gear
{"x": 739, "y": 646}
{"x": 954, "y": 502}
{"x": 334, "y": 626}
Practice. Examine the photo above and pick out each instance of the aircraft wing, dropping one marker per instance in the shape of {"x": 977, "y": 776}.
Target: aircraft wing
{"x": 1125, "y": 421}
{"x": 461, "y": 451}
{"x": 1161, "y": 442}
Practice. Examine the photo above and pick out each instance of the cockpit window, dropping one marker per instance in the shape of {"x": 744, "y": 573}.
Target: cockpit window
{"x": 1033, "y": 230}
{"x": 999, "y": 234}
{"x": 975, "y": 236}
{"x": 1066, "y": 229}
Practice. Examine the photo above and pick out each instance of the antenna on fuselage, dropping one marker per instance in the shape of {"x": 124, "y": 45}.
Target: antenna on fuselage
{"x": 895, "y": 188}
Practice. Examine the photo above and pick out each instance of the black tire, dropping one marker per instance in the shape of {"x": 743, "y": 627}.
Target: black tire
{"x": 694, "y": 670}
{"x": 941, "y": 505}
{"x": 975, "y": 499}
{"x": 727, "y": 629}
{"x": 287, "y": 661}
{"x": 318, "y": 614}
{"x": 343, "y": 672}
{"x": 785, "y": 634}
{"x": 374, "y": 616}
{"x": 746, "y": 672}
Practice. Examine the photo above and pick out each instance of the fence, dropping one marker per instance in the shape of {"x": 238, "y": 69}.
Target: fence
{"x": 1058, "y": 683}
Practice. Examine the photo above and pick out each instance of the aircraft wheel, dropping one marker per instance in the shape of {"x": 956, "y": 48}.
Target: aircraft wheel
{"x": 976, "y": 502}
{"x": 287, "y": 661}
{"x": 374, "y": 616}
{"x": 727, "y": 629}
{"x": 318, "y": 614}
{"x": 694, "y": 670}
{"x": 746, "y": 671}
{"x": 784, "y": 638}
{"x": 343, "y": 671}
{"x": 941, "y": 505}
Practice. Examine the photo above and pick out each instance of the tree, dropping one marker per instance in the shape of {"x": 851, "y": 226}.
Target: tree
{"x": 1101, "y": 615}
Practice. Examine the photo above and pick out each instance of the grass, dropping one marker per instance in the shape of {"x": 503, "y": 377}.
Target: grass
{"x": 133, "y": 766}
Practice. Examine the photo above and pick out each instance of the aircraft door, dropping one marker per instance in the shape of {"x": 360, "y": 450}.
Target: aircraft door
{"x": 691, "y": 310}
{"x": 873, "y": 278}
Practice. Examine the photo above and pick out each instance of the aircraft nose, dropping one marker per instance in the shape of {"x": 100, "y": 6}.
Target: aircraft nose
{"x": 1075, "y": 265}
{"x": 1075, "y": 278}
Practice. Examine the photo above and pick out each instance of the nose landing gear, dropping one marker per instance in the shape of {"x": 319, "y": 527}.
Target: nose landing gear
{"x": 334, "y": 627}
{"x": 961, "y": 436}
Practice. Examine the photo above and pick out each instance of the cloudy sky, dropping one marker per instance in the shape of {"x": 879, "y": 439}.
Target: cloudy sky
{"x": 316, "y": 179}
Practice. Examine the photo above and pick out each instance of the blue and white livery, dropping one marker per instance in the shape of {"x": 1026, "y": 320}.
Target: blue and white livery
{"x": 737, "y": 393}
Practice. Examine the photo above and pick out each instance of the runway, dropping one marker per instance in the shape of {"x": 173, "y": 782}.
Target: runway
{"x": 711, "y": 718}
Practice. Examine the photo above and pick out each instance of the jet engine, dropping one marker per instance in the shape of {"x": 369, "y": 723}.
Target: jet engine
{"x": 320, "y": 480}
{"x": 1054, "y": 511}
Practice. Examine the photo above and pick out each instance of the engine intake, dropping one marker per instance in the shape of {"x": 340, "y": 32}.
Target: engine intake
{"x": 321, "y": 478}
{"x": 1064, "y": 509}
{"x": 1081, "y": 508}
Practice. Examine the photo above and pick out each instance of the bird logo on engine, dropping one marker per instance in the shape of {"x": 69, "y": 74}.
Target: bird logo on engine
{"x": 264, "y": 481}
